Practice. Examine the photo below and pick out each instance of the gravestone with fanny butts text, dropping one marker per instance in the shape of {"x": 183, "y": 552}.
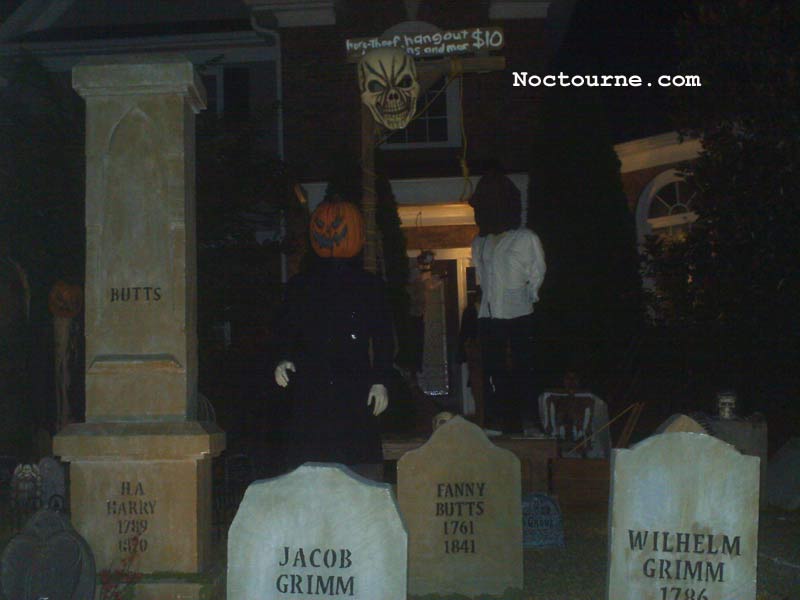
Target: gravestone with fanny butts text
{"x": 460, "y": 496}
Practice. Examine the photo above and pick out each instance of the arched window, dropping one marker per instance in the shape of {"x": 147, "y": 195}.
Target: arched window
{"x": 666, "y": 206}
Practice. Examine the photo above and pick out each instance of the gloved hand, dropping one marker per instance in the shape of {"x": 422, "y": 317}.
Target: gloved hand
{"x": 379, "y": 396}
{"x": 281, "y": 372}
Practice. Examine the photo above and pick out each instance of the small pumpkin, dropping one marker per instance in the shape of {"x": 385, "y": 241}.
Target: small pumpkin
{"x": 65, "y": 300}
{"x": 337, "y": 229}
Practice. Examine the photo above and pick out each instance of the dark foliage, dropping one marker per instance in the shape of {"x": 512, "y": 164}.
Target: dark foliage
{"x": 590, "y": 302}
{"x": 735, "y": 280}
{"x": 737, "y": 274}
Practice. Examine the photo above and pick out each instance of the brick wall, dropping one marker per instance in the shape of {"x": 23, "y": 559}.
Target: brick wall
{"x": 634, "y": 182}
{"x": 322, "y": 107}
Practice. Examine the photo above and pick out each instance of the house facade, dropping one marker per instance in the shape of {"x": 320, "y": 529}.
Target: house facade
{"x": 284, "y": 62}
{"x": 653, "y": 184}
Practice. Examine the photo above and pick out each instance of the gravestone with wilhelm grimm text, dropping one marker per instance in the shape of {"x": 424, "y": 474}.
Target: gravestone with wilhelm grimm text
{"x": 684, "y": 520}
{"x": 460, "y": 497}
{"x": 320, "y": 531}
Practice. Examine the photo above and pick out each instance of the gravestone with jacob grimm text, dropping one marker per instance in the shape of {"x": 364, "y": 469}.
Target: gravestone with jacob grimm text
{"x": 320, "y": 531}
{"x": 684, "y": 520}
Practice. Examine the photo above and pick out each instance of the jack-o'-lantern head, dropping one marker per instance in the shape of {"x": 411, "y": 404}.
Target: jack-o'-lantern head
{"x": 337, "y": 229}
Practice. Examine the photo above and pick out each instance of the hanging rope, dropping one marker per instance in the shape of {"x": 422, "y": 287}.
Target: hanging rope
{"x": 457, "y": 70}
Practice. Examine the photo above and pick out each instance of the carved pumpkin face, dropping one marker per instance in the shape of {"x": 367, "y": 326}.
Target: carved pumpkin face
{"x": 65, "y": 300}
{"x": 337, "y": 230}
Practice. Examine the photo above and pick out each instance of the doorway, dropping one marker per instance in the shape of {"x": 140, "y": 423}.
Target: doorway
{"x": 449, "y": 268}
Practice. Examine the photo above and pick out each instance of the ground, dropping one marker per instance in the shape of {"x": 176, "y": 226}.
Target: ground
{"x": 578, "y": 571}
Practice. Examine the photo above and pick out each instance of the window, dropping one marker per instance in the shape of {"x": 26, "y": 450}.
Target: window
{"x": 248, "y": 92}
{"x": 666, "y": 207}
{"x": 438, "y": 126}
{"x": 235, "y": 89}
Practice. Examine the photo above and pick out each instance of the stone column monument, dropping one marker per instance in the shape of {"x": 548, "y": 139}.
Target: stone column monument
{"x": 140, "y": 467}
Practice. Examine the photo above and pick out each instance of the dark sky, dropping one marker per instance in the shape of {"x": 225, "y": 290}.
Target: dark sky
{"x": 626, "y": 37}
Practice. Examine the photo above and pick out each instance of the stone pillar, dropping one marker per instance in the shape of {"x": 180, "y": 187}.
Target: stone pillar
{"x": 141, "y": 466}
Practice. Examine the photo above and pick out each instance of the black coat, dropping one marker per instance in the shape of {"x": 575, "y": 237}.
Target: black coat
{"x": 328, "y": 318}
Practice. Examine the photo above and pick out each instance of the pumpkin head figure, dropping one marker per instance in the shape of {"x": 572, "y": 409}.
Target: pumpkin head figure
{"x": 337, "y": 230}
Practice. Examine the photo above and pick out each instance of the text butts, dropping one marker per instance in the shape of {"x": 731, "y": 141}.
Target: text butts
{"x": 313, "y": 583}
{"x": 146, "y": 293}
{"x": 684, "y": 543}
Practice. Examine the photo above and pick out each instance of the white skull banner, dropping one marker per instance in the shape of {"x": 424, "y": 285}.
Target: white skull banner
{"x": 389, "y": 86}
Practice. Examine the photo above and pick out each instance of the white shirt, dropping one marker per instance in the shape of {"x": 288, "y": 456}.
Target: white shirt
{"x": 510, "y": 269}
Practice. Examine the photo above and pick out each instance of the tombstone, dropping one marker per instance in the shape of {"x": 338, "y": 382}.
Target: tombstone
{"x": 680, "y": 423}
{"x": 542, "y": 524}
{"x": 48, "y": 559}
{"x": 319, "y": 531}
{"x": 684, "y": 520}
{"x": 783, "y": 476}
{"x": 54, "y": 487}
{"x": 748, "y": 436}
{"x": 140, "y": 466}
{"x": 26, "y": 487}
{"x": 460, "y": 498}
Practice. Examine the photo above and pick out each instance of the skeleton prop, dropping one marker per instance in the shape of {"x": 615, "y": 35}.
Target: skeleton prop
{"x": 389, "y": 86}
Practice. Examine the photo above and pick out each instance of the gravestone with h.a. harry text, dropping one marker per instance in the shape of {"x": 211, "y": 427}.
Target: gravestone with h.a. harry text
{"x": 140, "y": 466}
{"x": 320, "y": 531}
{"x": 460, "y": 496}
{"x": 684, "y": 520}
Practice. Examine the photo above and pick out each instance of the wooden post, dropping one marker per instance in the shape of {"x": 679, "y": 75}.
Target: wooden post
{"x": 429, "y": 72}
{"x": 368, "y": 187}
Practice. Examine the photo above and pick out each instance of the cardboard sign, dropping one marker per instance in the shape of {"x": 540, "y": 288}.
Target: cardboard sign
{"x": 431, "y": 45}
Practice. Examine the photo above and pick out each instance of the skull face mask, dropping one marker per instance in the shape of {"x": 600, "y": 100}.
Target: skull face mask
{"x": 389, "y": 87}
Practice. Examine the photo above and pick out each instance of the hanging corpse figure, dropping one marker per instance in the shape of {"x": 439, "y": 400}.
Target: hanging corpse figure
{"x": 510, "y": 267}
{"x": 331, "y": 317}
